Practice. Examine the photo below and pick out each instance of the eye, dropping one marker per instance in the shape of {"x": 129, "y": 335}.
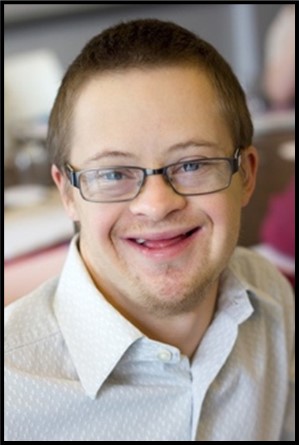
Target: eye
{"x": 191, "y": 166}
{"x": 117, "y": 174}
{"x": 112, "y": 175}
{"x": 187, "y": 167}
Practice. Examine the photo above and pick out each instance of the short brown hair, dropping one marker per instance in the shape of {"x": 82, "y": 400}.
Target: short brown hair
{"x": 141, "y": 44}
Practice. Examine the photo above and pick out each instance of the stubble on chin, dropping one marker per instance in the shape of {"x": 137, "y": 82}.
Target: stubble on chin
{"x": 170, "y": 294}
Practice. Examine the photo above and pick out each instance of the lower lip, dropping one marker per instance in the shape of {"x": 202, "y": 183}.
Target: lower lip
{"x": 167, "y": 252}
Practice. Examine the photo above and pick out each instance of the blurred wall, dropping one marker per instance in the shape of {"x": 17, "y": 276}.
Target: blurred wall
{"x": 236, "y": 30}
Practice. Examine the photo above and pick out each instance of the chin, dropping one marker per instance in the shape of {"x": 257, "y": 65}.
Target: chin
{"x": 172, "y": 297}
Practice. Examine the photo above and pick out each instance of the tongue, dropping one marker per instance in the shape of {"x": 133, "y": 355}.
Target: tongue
{"x": 163, "y": 243}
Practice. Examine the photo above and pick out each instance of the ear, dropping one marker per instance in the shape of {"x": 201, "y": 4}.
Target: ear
{"x": 248, "y": 170}
{"x": 65, "y": 191}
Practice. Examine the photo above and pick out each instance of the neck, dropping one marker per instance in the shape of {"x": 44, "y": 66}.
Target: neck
{"x": 184, "y": 330}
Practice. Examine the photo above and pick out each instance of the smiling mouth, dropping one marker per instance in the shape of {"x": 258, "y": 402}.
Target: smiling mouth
{"x": 161, "y": 242}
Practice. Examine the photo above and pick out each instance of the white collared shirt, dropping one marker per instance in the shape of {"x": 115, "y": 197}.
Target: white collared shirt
{"x": 77, "y": 370}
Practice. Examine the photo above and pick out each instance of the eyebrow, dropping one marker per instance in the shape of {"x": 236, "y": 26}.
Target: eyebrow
{"x": 110, "y": 154}
{"x": 193, "y": 144}
{"x": 174, "y": 148}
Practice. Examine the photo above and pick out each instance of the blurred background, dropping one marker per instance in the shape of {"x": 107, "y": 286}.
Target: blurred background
{"x": 41, "y": 40}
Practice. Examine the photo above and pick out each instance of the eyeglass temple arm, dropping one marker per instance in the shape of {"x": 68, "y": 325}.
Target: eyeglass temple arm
{"x": 71, "y": 174}
{"x": 237, "y": 160}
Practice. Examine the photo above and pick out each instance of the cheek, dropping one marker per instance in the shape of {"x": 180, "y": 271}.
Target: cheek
{"x": 97, "y": 222}
{"x": 225, "y": 214}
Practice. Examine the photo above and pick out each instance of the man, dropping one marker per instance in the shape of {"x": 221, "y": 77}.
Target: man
{"x": 158, "y": 328}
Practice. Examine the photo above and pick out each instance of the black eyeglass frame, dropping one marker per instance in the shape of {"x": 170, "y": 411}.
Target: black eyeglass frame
{"x": 74, "y": 175}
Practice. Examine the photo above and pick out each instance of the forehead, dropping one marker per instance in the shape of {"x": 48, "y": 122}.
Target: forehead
{"x": 147, "y": 108}
{"x": 151, "y": 83}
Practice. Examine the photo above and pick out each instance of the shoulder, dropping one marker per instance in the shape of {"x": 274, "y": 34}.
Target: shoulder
{"x": 259, "y": 273}
{"x": 31, "y": 318}
{"x": 269, "y": 291}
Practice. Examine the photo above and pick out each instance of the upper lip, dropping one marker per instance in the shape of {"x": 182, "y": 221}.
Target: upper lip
{"x": 157, "y": 236}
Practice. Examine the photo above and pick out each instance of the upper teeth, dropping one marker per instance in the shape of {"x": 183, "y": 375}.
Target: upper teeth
{"x": 140, "y": 240}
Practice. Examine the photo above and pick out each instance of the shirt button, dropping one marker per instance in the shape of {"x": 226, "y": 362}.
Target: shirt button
{"x": 164, "y": 355}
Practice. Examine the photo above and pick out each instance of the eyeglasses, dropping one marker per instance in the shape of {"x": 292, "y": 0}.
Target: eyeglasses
{"x": 123, "y": 183}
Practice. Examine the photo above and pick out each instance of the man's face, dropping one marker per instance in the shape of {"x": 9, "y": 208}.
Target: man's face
{"x": 160, "y": 251}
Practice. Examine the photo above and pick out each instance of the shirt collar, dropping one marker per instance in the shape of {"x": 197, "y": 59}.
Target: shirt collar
{"x": 96, "y": 334}
{"x": 234, "y": 296}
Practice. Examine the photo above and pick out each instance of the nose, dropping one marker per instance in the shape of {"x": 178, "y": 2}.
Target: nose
{"x": 157, "y": 199}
